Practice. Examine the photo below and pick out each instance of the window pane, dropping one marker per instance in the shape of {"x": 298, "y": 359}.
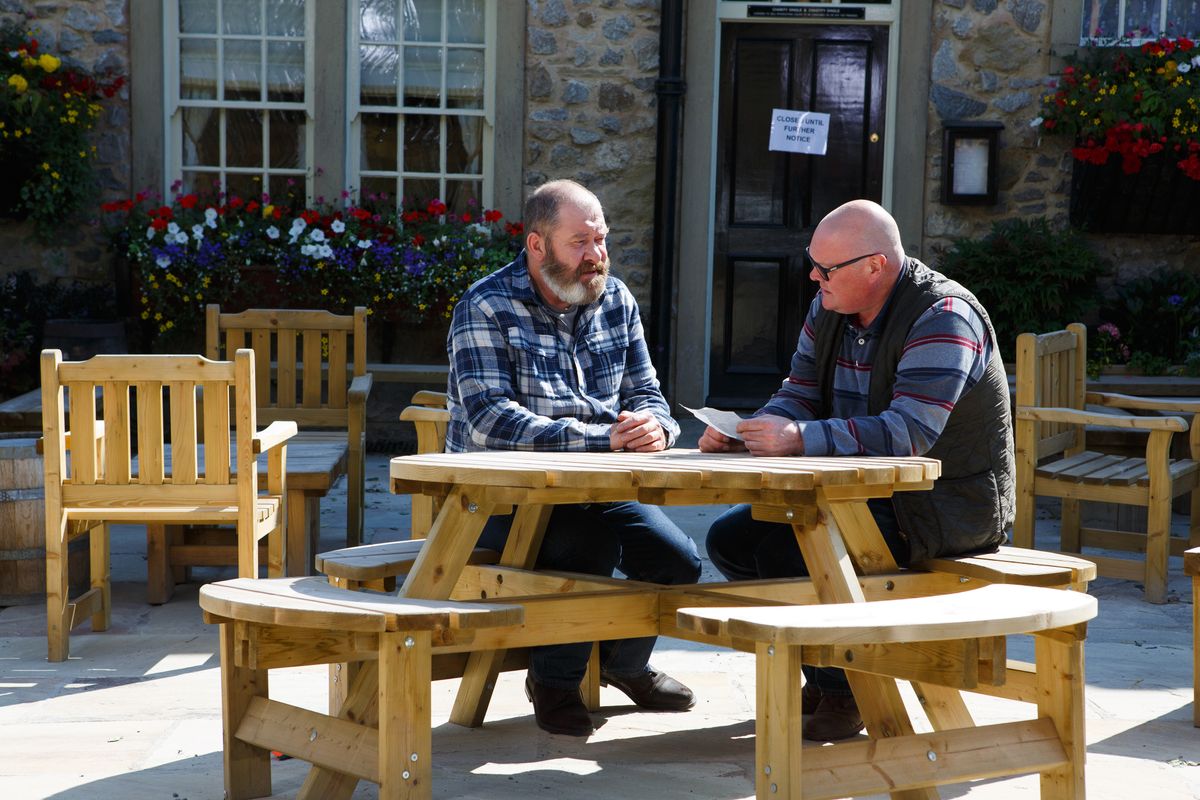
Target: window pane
{"x": 243, "y": 185}
{"x": 198, "y": 16}
{"x": 285, "y": 18}
{"x": 288, "y": 190}
{"x": 377, "y": 190}
{"x": 377, "y": 21}
{"x": 379, "y": 142}
{"x": 422, "y": 143}
{"x": 243, "y": 70}
{"x": 464, "y": 78}
{"x": 462, "y": 197}
{"x": 201, "y": 137}
{"x": 1099, "y": 18}
{"x": 419, "y": 191}
{"x": 422, "y": 20}
{"x": 287, "y": 139}
{"x": 198, "y": 69}
{"x": 423, "y": 76}
{"x": 464, "y": 21}
{"x": 379, "y": 75}
{"x": 243, "y": 137}
{"x": 201, "y": 182}
{"x": 1142, "y": 16}
{"x": 1184, "y": 15}
{"x": 464, "y": 145}
{"x": 242, "y": 17}
{"x": 285, "y": 71}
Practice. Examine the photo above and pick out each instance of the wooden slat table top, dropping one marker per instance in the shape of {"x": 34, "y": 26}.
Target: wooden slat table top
{"x": 674, "y": 469}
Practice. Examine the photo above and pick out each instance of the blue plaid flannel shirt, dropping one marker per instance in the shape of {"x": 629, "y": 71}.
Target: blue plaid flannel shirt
{"x": 519, "y": 382}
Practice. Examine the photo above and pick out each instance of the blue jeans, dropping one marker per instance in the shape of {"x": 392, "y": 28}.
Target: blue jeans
{"x": 596, "y": 539}
{"x": 744, "y": 549}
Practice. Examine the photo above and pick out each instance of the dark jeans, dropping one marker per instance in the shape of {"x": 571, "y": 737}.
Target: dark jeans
{"x": 743, "y": 549}
{"x": 596, "y": 539}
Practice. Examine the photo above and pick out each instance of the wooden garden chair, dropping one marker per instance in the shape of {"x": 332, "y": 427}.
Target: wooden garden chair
{"x": 91, "y": 481}
{"x": 429, "y": 415}
{"x": 1053, "y": 459}
{"x": 303, "y": 360}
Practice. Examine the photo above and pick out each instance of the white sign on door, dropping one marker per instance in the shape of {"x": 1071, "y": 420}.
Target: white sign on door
{"x": 799, "y": 131}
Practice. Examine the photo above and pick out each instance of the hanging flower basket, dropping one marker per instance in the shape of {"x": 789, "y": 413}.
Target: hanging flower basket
{"x": 1158, "y": 198}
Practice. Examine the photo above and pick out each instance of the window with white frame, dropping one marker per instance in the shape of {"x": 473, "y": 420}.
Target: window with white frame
{"x": 420, "y": 116}
{"x": 1136, "y": 21}
{"x": 418, "y": 78}
{"x": 242, "y": 111}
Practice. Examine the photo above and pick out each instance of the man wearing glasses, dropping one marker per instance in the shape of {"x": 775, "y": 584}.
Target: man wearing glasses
{"x": 894, "y": 359}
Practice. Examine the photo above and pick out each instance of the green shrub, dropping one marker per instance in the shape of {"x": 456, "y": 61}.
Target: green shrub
{"x": 1028, "y": 276}
{"x": 1160, "y": 315}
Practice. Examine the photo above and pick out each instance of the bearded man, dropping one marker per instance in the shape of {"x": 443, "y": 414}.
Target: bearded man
{"x": 548, "y": 353}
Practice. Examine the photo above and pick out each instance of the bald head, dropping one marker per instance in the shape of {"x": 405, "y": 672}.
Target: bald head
{"x": 864, "y": 227}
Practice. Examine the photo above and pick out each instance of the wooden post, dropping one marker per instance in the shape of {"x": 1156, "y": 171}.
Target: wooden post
{"x": 247, "y": 768}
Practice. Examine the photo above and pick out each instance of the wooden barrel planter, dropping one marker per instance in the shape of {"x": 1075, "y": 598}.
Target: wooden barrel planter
{"x": 23, "y": 527}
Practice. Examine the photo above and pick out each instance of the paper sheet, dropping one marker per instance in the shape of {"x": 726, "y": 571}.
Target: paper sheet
{"x": 724, "y": 421}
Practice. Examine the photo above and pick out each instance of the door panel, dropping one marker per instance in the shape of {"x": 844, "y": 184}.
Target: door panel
{"x": 769, "y": 202}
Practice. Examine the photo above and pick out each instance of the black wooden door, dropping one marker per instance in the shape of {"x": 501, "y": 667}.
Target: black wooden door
{"x": 768, "y": 202}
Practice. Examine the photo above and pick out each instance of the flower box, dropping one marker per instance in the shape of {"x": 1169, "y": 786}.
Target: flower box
{"x": 1159, "y": 198}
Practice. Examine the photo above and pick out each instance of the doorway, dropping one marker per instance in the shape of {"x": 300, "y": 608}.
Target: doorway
{"x": 767, "y": 203}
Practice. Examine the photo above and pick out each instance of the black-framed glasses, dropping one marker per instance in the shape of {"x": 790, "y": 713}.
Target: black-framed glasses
{"x": 824, "y": 271}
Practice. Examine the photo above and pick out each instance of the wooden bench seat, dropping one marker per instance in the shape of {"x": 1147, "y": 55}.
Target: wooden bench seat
{"x": 1191, "y": 566}
{"x": 1018, "y": 565}
{"x": 287, "y": 622}
{"x": 376, "y": 566}
{"x": 1052, "y": 744}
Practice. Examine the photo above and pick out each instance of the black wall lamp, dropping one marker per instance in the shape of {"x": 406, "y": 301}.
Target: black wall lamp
{"x": 969, "y": 161}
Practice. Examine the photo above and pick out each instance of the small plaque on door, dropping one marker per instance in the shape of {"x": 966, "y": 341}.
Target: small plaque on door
{"x": 807, "y": 12}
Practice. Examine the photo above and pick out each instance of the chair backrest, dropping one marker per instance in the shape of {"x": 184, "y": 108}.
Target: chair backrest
{"x": 92, "y": 463}
{"x": 302, "y": 358}
{"x": 1051, "y": 373}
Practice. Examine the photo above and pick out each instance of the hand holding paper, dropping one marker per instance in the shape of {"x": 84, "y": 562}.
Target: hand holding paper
{"x": 725, "y": 422}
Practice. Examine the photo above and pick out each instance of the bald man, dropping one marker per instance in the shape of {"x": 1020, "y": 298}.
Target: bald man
{"x": 547, "y": 353}
{"x": 894, "y": 359}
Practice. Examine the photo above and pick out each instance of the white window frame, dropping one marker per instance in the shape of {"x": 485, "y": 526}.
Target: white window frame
{"x": 1119, "y": 40}
{"x": 355, "y": 110}
{"x": 174, "y": 104}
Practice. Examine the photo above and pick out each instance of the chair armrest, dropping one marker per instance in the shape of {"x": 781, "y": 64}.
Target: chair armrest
{"x": 273, "y": 435}
{"x": 424, "y": 414}
{"x": 360, "y": 387}
{"x": 1112, "y": 400}
{"x": 432, "y": 399}
{"x": 1073, "y": 416}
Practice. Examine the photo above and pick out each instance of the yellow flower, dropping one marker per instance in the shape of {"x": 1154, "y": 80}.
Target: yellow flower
{"x": 145, "y": 314}
{"x": 46, "y": 166}
{"x": 169, "y": 325}
{"x": 18, "y": 83}
{"x": 157, "y": 315}
{"x": 54, "y": 175}
{"x": 324, "y": 291}
{"x": 49, "y": 62}
{"x": 268, "y": 209}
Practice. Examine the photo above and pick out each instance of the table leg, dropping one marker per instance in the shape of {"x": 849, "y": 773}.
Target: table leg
{"x": 405, "y": 737}
{"x": 483, "y": 666}
{"x": 1060, "y": 697}
{"x": 303, "y": 528}
{"x": 247, "y": 768}
{"x": 824, "y": 548}
{"x": 778, "y": 743}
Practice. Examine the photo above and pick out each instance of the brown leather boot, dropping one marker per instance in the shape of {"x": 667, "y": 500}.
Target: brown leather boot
{"x": 558, "y": 710}
{"x": 652, "y": 690}
{"x": 810, "y": 698}
{"x": 836, "y": 718}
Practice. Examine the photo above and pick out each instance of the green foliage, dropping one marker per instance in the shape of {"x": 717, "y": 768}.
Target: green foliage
{"x": 1028, "y": 276}
{"x": 47, "y": 110}
{"x": 1160, "y": 315}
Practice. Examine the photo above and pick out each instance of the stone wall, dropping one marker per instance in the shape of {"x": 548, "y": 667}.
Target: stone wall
{"x": 990, "y": 60}
{"x": 94, "y": 35}
{"x": 591, "y": 115}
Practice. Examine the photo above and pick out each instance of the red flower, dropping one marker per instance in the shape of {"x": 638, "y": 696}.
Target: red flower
{"x": 159, "y": 224}
{"x": 418, "y": 239}
{"x": 466, "y": 217}
{"x": 310, "y": 216}
{"x": 492, "y": 216}
{"x": 252, "y": 206}
{"x": 188, "y": 201}
{"x": 436, "y": 208}
{"x": 514, "y": 228}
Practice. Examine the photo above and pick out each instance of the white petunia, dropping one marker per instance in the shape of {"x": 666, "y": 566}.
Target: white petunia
{"x": 272, "y": 232}
{"x": 163, "y": 262}
{"x": 307, "y": 249}
{"x": 325, "y": 251}
{"x": 337, "y": 226}
{"x": 210, "y": 217}
{"x": 478, "y": 252}
{"x": 364, "y": 244}
{"x": 198, "y": 232}
{"x": 150, "y": 232}
{"x": 1036, "y": 121}
{"x": 1185, "y": 67}
{"x": 482, "y": 230}
{"x": 173, "y": 228}
{"x": 298, "y": 224}
{"x": 181, "y": 238}
{"x": 317, "y": 235}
